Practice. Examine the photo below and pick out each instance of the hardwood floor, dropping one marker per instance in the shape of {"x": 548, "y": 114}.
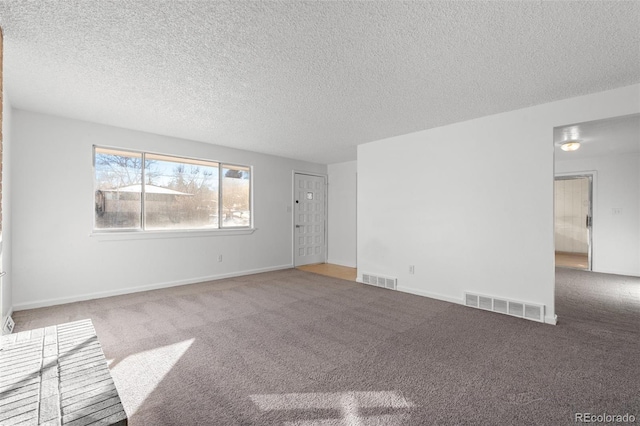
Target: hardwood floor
{"x": 335, "y": 271}
{"x": 572, "y": 260}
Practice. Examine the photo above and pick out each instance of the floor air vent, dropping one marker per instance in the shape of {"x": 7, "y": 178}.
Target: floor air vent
{"x": 530, "y": 311}
{"x": 379, "y": 281}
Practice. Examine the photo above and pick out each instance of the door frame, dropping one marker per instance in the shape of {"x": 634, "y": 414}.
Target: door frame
{"x": 592, "y": 176}
{"x": 293, "y": 212}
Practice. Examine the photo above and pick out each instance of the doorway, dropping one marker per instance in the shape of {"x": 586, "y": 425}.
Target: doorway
{"x": 309, "y": 219}
{"x": 573, "y": 221}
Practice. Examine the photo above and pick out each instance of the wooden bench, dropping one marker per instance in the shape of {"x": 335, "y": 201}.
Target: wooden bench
{"x": 57, "y": 376}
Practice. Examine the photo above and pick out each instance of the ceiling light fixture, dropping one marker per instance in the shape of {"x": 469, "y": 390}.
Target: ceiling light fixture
{"x": 570, "y": 145}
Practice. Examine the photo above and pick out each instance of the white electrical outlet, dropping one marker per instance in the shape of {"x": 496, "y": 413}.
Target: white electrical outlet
{"x": 219, "y": 258}
{"x": 7, "y": 328}
{"x": 616, "y": 211}
{"x": 412, "y": 269}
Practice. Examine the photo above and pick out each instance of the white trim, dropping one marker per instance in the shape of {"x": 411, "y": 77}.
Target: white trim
{"x": 508, "y": 302}
{"x": 577, "y": 174}
{"x": 101, "y": 294}
{"x": 617, "y": 272}
{"x": 553, "y": 320}
{"x": 146, "y": 235}
{"x": 431, "y": 295}
{"x": 143, "y": 153}
{"x": 344, "y": 263}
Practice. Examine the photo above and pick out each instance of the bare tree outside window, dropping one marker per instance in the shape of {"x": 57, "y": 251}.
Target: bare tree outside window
{"x": 186, "y": 196}
{"x": 168, "y": 193}
{"x": 118, "y": 191}
{"x": 236, "y": 196}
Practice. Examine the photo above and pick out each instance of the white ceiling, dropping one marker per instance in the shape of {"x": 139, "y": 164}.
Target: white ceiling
{"x": 612, "y": 136}
{"x": 305, "y": 79}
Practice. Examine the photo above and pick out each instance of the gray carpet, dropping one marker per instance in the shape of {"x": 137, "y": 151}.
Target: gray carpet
{"x": 292, "y": 347}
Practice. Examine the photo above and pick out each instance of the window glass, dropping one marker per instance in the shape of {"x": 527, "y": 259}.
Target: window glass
{"x": 236, "y": 198}
{"x": 168, "y": 192}
{"x": 180, "y": 193}
{"x": 118, "y": 191}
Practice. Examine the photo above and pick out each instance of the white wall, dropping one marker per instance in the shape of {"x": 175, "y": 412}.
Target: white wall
{"x": 450, "y": 201}
{"x": 616, "y": 242}
{"x": 342, "y": 213}
{"x": 55, "y": 259}
{"x": 5, "y": 244}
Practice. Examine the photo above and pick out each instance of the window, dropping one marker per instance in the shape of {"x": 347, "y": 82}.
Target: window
{"x": 145, "y": 191}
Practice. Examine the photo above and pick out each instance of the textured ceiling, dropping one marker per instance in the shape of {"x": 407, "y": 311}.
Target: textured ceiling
{"x": 309, "y": 80}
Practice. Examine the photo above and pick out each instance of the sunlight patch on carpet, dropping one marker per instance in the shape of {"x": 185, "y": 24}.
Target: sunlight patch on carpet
{"x": 146, "y": 370}
{"x": 346, "y": 404}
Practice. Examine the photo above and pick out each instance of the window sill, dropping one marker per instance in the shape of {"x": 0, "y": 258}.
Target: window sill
{"x": 148, "y": 235}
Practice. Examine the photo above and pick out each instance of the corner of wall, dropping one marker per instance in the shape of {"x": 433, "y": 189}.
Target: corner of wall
{"x": 6, "y": 288}
{"x": 342, "y": 207}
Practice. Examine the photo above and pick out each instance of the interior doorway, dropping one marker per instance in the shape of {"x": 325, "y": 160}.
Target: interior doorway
{"x": 573, "y": 221}
{"x": 309, "y": 233}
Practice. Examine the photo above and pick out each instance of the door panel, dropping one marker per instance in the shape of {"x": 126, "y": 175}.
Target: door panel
{"x": 309, "y": 232}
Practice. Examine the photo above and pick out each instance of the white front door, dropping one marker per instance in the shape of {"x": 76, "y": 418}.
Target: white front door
{"x": 309, "y": 219}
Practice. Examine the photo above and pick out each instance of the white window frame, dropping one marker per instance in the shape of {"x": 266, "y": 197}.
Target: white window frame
{"x": 142, "y": 233}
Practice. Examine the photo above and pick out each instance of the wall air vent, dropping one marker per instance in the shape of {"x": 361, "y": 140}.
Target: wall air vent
{"x": 471, "y": 300}
{"x": 378, "y": 281}
{"x": 485, "y": 302}
{"x": 530, "y": 311}
{"x": 500, "y": 305}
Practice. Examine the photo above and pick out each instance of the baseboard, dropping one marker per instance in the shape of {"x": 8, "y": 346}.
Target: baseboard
{"x": 341, "y": 263}
{"x": 431, "y": 295}
{"x": 617, "y": 272}
{"x": 128, "y": 290}
{"x": 553, "y": 320}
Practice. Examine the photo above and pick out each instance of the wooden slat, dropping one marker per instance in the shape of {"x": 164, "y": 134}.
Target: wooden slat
{"x": 16, "y": 400}
{"x": 13, "y": 392}
{"x": 7, "y": 416}
{"x": 83, "y": 383}
{"x": 104, "y": 387}
{"x": 96, "y": 416}
{"x": 83, "y": 411}
{"x": 88, "y": 393}
{"x": 8, "y": 339}
{"x": 87, "y": 402}
{"x": 57, "y": 375}
{"x": 83, "y": 368}
{"x": 30, "y": 417}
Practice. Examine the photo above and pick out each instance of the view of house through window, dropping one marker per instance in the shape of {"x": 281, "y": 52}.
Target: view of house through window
{"x": 144, "y": 191}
